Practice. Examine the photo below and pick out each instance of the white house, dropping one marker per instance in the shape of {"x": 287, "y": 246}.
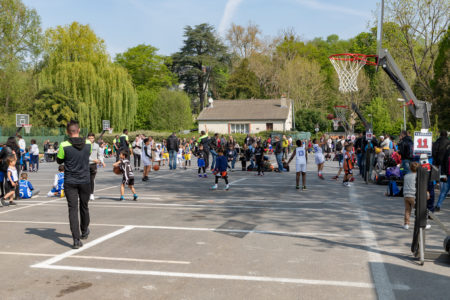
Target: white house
{"x": 247, "y": 116}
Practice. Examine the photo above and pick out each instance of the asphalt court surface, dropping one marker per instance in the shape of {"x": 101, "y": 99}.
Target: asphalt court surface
{"x": 262, "y": 239}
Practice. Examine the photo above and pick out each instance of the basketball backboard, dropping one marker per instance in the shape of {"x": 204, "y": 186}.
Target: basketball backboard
{"x": 22, "y": 119}
{"x": 106, "y": 125}
{"x": 380, "y": 29}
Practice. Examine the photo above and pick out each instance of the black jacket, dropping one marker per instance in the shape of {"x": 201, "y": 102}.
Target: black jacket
{"x": 172, "y": 143}
{"x": 405, "y": 148}
{"x": 439, "y": 150}
{"x": 278, "y": 147}
{"x": 74, "y": 154}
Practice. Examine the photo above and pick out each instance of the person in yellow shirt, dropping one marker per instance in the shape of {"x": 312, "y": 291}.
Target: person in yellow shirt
{"x": 285, "y": 145}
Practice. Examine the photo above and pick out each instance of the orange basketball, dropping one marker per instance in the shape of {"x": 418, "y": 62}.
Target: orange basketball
{"x": 155, "y": 167}
{"x": 117, "y": 170}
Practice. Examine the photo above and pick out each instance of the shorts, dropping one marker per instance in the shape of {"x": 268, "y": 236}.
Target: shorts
{"x": 300, "y": 168}
{"x": 340, "y": 158}
{"x": 200, "y": 162}
{"x": 9, "y": 187}
{"x": 187, "y": 157}
{"x": 130, "y": 181}
{"x": 165, "y": 156}
{"x": 319, "y": 159}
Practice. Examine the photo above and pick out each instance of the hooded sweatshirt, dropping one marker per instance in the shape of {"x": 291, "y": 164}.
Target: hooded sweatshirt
{"x": 74, "y": 154}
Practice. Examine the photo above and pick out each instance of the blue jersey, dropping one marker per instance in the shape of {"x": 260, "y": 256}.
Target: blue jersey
{"x": 25, "y": 189}
{"x": 59, "y": 182}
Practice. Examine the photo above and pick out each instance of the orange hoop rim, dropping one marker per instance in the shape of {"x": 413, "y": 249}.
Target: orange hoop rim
{"x": 355, "y": 57}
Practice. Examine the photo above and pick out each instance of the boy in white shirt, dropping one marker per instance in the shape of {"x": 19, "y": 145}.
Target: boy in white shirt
{"x": 300, "y": 164}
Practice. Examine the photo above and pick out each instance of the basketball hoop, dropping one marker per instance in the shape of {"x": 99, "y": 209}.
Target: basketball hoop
{"x": 27, "y": 128}
{"x": 348, "y": 65}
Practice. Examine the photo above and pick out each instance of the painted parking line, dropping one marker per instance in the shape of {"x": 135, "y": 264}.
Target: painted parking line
{"x": 380, "y": 276}
{"x": 28, "y": 206}
{"x": 204, "y": 206}
{"x": 158, "y": 261}
{"x": 157, "y": 227}
{"x": 86, "y": 246}
{"x": 282, "y": 280}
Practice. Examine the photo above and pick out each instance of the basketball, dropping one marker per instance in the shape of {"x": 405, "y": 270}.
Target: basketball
{"x": 117, "y": 170}
{"x": 330, "y": 117}
{"x": 155, "y": 167}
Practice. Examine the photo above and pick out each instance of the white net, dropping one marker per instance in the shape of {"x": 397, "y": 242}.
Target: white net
{"x": 336, "y": 124}
{"x": 347, "y": 66}
{"x": 27, "y": 128}
{"x": 110, "y": 130}
{"x": 348, "y": 70}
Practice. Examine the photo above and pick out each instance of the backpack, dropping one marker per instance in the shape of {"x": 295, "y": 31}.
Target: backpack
{"x": 393, "y": 172}
{"x": 339, "y": 145}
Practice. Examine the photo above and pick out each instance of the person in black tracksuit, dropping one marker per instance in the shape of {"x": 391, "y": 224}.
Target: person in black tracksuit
{"x": 259, "y": 155}
{"x": 74, "y": 154}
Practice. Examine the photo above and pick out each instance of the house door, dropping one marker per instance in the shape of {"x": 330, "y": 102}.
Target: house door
{"x": 269, "y": 126}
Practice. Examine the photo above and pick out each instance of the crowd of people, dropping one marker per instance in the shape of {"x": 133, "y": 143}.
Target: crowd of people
{"x": 79, "y": 158}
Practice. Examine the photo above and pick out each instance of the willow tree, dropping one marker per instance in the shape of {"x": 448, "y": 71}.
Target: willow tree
{"x": 77, "y": 65}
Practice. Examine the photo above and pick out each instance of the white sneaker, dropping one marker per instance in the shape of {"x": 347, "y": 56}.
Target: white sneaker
{"x": 428, "y": 226}
{"x": 214, "y": 187}
{"x": 227, "y": 187}
{"x": 92, "y": 197}
{"x": 406, "y": 226}
{"x": 346, "y": 184}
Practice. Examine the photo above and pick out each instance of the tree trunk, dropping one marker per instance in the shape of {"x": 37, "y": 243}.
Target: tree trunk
{"x": 202, "y": 93}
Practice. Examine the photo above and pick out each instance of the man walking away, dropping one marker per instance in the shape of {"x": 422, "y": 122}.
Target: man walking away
{"x": 124, "y": 143}
{"x": 172, "y": 146}
{"x": 279, "y": 153}
{"x": 74, "y": 154}
{"x": 95, "y": 158}
{"x": 204, "y": 140}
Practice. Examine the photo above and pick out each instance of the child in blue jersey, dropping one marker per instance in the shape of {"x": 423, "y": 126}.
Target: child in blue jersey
{"x": 201, "y": 154}
{"x": 220, "y": 170}
{"x": 58, "y": 184}
{"x": 26, "y": 189}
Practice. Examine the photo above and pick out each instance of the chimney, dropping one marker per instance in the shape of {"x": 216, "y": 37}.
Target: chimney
{"x": 283, "y": 101}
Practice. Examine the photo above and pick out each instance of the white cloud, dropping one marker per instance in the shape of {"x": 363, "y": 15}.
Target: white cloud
{"x": 230, "y": 9}
{"x": 319, "y": 5}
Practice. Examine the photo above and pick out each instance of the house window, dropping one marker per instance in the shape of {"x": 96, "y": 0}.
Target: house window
{"x": 269, "y": 126}
{"x": 239, "y": 128}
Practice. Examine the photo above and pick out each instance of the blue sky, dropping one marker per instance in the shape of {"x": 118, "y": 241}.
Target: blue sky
{"x": 127, "y": 23}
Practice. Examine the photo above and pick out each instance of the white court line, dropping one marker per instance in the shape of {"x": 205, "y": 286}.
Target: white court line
{"x": 159, "y": 261}
{"x": 239, "y": 180}
{"x": 206, "y": 206}
{"x": 28, "y": 206}
{"x": 380, "y": 276}
{"x": 281, "y": 233}
{"x": 85, "y": 247}
{"x": 224, "y": 277}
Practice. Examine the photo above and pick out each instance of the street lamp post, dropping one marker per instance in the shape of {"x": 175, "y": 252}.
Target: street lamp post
{"x": 371, "y": 119}
{"x": 404, "y": 112}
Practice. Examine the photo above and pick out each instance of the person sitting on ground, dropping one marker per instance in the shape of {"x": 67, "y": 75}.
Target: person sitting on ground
{"x": 58, "y": 184}
{"x": 26, "y": 189}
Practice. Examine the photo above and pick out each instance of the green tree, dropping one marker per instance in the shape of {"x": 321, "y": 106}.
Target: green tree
{"x": 171, "y": 110}
{"x": 146, "y": 67}
{"x": 441, "y": 83}
{"x": 20, "y": 44}
{"x": 146, "y": 98}
{"x": 53, "y": 109}
{"x": 243, "y": 83}
{"x": 76, "y": 64}
{"x": 383, "y": 122}
{"x": 200, "y": 57}
{"x": 307, "y": 119}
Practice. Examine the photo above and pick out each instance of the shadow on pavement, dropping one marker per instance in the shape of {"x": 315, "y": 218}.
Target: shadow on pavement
{"x": 50, "y": 234}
